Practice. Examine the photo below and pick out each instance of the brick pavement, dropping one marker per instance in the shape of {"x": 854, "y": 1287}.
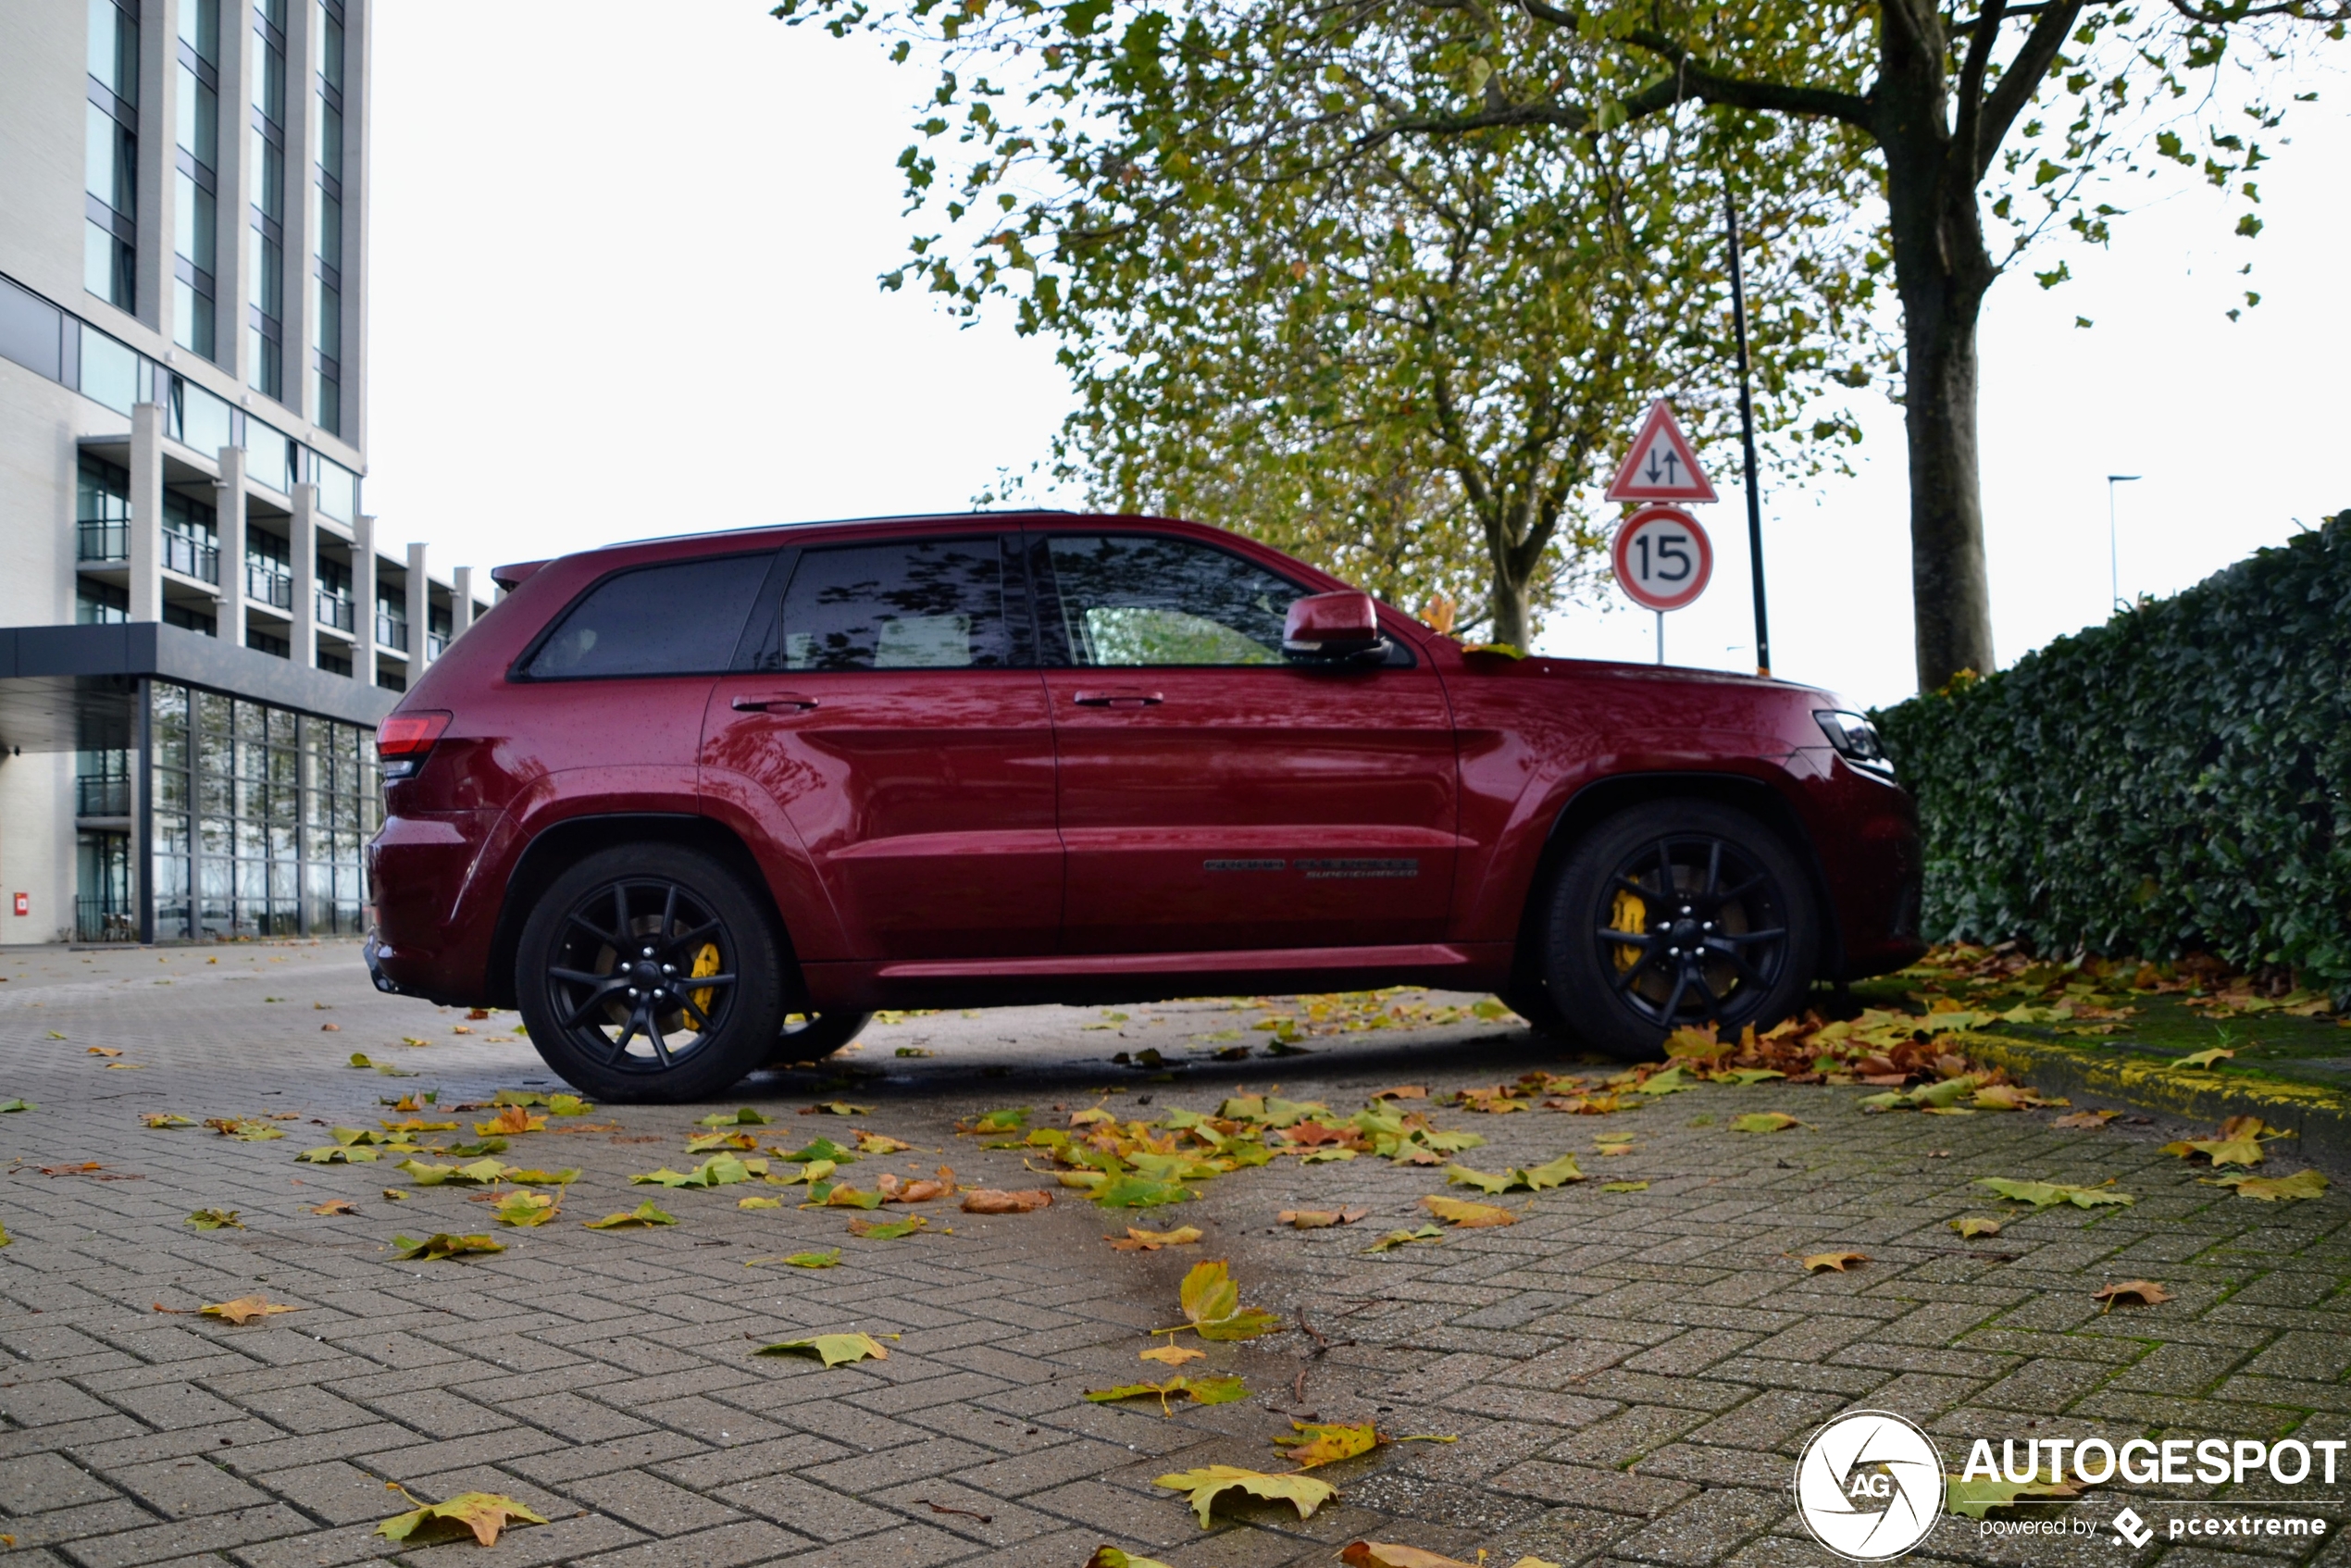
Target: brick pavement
{"x": 1628, "y": 1374}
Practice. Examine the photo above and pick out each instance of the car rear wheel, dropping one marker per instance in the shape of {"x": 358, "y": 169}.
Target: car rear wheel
{"x": 809, "y": 1037}
{"x": 1677, "y": 914}
{"x": 649, "y": 973}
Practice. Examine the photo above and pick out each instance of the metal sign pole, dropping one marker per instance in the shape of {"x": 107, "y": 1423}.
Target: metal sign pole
{"x": 1746, "y": 432}
{"x": 1660, "y": 637}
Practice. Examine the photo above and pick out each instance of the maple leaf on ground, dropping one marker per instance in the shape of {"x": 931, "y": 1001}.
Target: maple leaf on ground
{"x": 2044, "y": 1194}
{"x": 1212, "y": 1305}
{"x": 1969, "y": 1498}
{"x": 837, "y": 1108}
{"x": 480, "y": 1514}
{"x": 526, "y": 1208}
{"x": 160, "y": 1119}
{"x": 1320, "y": 1219}
{"x": 833, "y": 1349}
{"x": 702, "y": 1143}
{"x": 1625, "y": 1187}
{"x": 747, "y": 1116}
{"x": 1765, "y": 1120}
{"x": 441, "y": 1244}
{"x": 215, "y": 1219}
{"x": 1205, "y": 1484}
{"x": 1390, "y": 1554}
{"x": 1976, "y": 1225}
{"x": 879, "y": 1143}
{"x": 1139, "y": 1240}
{"x": 895, "y": 1189}
{"x": 1819, "y": 1261}
{"x": 2085, "y": 1121}
{"x": 2146, "y": 1292}
{"x": 993, "y": 1200}
{"x": 1110, "y": 1557}
{"x": 1401, "y": 1238}
{"x": 2274, "y": 1189}
{"x": 645, "y": 1214}
{"x": 1200, "y": 1390}
{"x": 2202, "y": 1058}
{"x": 245, "y": 1309}
{"x": 1403, "y": 1091}
{"x": 888, "y": 1230}
{"x": 1172, "y": 1355}
{"x": 1469, "y": 1217}
{"x": 336, "y": 1206}
{"x": 513, "y": 1120}
{"x": 1319, "y": 1443}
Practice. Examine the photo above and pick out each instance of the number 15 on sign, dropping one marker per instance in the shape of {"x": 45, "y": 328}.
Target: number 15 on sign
{"x": 1663, "y": 561}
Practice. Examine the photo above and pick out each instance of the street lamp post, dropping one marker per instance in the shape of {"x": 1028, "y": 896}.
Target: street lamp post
{"x": 2113, "y": 550}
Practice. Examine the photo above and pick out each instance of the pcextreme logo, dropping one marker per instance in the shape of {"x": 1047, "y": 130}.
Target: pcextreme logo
{"x": 1869, "y": 1486}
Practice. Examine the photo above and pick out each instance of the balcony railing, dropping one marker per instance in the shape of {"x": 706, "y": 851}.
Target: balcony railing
{"x": 103, "y": 920}
{"x": 102, "y": 796}
{"x": 102, "y": 542}
{"x": 190, "y": 557}
{"x": 336, "y": 612}
{"x": 436, "y": 644}
{"x": 391, "y": 633}
{"x": 266, "y": 585}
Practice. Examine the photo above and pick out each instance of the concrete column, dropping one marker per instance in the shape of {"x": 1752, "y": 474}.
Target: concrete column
{"x": 419, "y": 612}
{"x": 231, "y": 282}
{"x": 301, "y": 196}
{"x": 461, "y": 612}
{"x": 359, "y": 107}
{"x": 228, "y": 507}
{"x": 158, "y": 160}
{"x": 302, "y": 543}
{"x": 146, "y": 512}
{"x": 363, "y": 599}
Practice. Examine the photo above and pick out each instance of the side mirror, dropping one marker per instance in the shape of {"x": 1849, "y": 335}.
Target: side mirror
{"x": 1330, "y": 629}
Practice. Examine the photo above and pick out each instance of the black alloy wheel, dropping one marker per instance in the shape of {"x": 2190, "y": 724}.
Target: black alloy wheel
{"x": 647, "y": 973}
{"x": 1678, "y": 915}
{"x": 811, "y": 1037}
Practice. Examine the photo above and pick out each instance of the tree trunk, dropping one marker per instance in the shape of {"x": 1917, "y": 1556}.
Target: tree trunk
{"x": 1951, "y": 596}
{"x": 1512, "y": 610}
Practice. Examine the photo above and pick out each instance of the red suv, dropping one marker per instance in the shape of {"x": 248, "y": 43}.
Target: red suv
{"x": 698, "y": 805}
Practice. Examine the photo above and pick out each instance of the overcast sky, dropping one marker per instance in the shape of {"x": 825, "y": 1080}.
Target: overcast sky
{"x": 624, "y": 285}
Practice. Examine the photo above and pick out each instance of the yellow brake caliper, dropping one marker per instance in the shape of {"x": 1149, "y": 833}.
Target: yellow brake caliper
{"x": 1627, "y": 914}
{"x": 705, "y": 962}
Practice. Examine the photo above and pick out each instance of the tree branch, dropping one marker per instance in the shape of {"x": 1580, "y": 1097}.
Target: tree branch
{"x": 2020, "y": 80}
{"x": 1965, "y": 134}
{"x": 1692, "y": 80}
{"x": 1565, "y": 117}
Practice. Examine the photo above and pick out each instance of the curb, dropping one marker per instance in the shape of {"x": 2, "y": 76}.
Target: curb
{"x": 2320, "y": 1117}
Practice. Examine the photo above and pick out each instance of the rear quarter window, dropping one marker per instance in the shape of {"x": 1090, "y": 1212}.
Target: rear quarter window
{"x": 683, "y": 617}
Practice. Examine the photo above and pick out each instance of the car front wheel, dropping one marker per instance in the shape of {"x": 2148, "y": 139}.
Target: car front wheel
{"x": 1678, "y": 915}
{"x": 811, "y": 1037}
{"x": 649, "y": 973}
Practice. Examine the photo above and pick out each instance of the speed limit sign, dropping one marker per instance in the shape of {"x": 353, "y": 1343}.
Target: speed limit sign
{"x": 1662, "y": 558}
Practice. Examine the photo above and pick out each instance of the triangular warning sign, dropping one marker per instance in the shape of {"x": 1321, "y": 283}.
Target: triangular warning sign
{"x": 1661, "y": 466}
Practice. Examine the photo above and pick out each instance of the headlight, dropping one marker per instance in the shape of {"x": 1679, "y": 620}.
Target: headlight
{"x": 1856, "y": 740}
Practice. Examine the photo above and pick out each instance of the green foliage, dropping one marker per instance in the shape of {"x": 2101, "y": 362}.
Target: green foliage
{"x": 2176, "y": 779}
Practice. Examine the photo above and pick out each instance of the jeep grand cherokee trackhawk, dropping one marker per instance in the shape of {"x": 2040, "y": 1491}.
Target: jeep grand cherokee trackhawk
{"x": 698, "y": 805}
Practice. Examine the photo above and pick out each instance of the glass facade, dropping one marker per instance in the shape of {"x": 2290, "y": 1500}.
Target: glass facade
{"x": 258, "y": 818}
{"x": 102, "y": 511}
{"x": 265, "y": 304}
{"x": 196, "y": 220}
{"x": 110, "y": 202}
{"x": 326, "y": 222}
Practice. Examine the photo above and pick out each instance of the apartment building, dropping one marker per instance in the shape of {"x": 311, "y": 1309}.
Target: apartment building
{"x": 200, "y": 623}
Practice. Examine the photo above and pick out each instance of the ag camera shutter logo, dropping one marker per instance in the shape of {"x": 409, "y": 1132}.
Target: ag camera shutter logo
{"x": 1869, "y": 1486}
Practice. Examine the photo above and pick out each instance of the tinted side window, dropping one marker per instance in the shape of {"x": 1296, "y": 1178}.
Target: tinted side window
{"x": 908, "y": 604}
{"x": 1143, "y": 599}
{"x": 683, "y": 618}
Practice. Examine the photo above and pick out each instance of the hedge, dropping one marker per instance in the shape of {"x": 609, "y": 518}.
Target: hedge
{"x": 2172, "y": 781}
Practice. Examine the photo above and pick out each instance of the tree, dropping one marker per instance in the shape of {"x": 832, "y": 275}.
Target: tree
{"x": 2041, "y": 100}
{"x": 1353, "y": 356}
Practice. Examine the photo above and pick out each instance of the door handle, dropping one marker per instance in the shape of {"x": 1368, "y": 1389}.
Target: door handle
{"x": 760, "y": 701}
{"x": 1118, "y": 697}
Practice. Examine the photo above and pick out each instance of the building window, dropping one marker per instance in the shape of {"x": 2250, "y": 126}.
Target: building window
{"x": 191, "y": 538}
{"x": 268, "y": 581}
{"x": 261, "y": 641}
{"x": 266, "y": 306}
{"x": 191, "y": 618}
{"x": 392, "y": 621}
{"x": 336, "y": 611}
{"x": 259, "y": 814}
{"x": 111, "y": 199}
{"x": 334, "y": 664}
{"x": 102, "y": 511}
{"x": 197, "y": 218}
{"x": 102, "y": 902}
{"x": 100, "y": 604}
{"x": 326, "y": 250}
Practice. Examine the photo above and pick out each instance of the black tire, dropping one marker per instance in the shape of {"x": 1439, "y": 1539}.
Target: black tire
{"x": 1734, "y": 946}
{"x": 811, "y": 1037}
{"x": 609, "y": 1020}
{"x": 1531, "y": 1000}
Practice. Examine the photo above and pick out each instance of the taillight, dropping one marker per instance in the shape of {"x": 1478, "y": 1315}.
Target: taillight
{"x": 403, "y": 741}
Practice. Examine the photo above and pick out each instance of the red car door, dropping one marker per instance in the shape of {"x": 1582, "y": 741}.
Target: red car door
{"x": 894, "y": 715}
{"x": 1215, "y": 797}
